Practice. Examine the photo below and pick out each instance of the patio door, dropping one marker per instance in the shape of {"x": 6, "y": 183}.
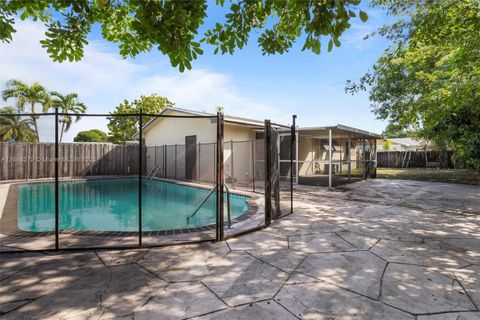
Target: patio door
{"x": 190, "y": 157}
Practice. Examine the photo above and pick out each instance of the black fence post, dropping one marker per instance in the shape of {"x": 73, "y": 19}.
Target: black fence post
{"x": 254, "y": 145}
{"x": 292, "y": 144}
{"x": 220, "y": 178}
{"x": 56, "y": 182}
{"x": 268, "y": 174}
{"x": 140, "y": 150}
{"x": 175, "y": 161}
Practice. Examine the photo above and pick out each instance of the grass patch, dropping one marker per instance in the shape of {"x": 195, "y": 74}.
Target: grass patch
{"x": 431, "y": 174}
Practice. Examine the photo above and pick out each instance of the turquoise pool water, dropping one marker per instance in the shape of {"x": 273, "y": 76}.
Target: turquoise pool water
{"x": 112, "y": 205}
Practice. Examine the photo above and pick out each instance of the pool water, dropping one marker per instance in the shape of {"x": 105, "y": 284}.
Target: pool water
{"x": 112, "y": 205}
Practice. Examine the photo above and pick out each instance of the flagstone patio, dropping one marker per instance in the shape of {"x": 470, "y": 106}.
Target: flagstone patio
{"x": 377, "y": 249}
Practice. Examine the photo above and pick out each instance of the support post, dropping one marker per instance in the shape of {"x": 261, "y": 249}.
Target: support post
{"x": 268, "y": 172}
{"x": 165, "y": 148}
{"x": 175, "y": 161}
{"x": 254, "y": 143}
{"x": 292, "y": 142}
{"x": 231, "y": 163}
{"x": 364, "y": 161}
{"x": 57, "y": 216}
{"x": 375, "y": 158}
{"x": 349, "y": 157}
{"x": 220, "y": 178}
{"x": 297, "y": 170}
{"x": 198, "y": 161}
{"x": 329, "y": 158}
{"x": 140, "y": 150}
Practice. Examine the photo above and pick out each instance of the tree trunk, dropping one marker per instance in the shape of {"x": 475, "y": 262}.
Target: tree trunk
{"x": 61, "y": 132}
{"x": 35, "y": 122}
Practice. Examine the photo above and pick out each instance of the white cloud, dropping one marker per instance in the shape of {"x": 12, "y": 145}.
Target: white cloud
{"x": 103, "y": 79}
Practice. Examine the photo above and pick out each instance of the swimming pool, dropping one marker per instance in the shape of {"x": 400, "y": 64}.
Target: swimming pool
{"x": 112, "y": 205}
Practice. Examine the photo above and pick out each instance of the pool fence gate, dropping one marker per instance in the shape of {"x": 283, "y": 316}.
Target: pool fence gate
{"x": 222, "y": 169}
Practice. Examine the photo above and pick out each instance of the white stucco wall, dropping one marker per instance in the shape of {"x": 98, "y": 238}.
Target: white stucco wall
{"x": 171, "y": 131}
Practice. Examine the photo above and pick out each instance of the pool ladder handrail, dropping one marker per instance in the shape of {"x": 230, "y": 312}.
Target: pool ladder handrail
{"x": 203, "y": 201}
{"x": 150, "y": 175}
{"x": 229, "y": 214}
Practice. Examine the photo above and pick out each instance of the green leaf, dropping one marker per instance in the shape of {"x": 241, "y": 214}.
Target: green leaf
{"x": 363, "y": 16}
{"x": 330, "y": 45}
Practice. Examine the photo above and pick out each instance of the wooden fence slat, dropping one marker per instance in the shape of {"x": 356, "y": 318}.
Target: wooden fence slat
{"x": 413, "y": 159}
{"x": 36, "y": 160}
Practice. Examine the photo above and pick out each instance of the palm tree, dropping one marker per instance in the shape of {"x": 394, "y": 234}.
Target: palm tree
{"x": 26, "y": 95}
{"x": 67, "y": 104}
{"x": 16, "y": 128}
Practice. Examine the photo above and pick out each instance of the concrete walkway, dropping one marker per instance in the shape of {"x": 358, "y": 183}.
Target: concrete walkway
{"x": 375, "y": 250}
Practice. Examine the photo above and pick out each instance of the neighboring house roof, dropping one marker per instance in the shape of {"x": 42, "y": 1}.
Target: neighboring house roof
{"x": 228, "y": 118}
{"x": 409, "y": 142}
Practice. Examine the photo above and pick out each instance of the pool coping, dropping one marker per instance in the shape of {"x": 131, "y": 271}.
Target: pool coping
{"x": 9, "y": 214}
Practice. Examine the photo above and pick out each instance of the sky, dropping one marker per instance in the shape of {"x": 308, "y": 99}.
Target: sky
{"x": 246, "y": 84}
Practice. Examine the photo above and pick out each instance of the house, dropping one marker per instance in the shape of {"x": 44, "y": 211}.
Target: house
{"x": 404, "y": 144}
{"x": 181, "y": 145}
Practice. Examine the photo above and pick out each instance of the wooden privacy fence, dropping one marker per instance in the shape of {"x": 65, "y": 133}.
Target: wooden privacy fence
{"x": 414, "y": 159}
{"x": 37, "y": 160}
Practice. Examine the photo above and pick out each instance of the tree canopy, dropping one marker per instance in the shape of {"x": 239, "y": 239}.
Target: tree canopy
{"x": 172, "y": 27}
{"x": 14, "y": 127}
{"x": 94, "y": 135}
{"x": 393, "y": 130}
{"x": 429, "y": 77}
{"x": 26, "y": 95}
{"x": 124, "y": 128}
{"x": 67, "y": 103}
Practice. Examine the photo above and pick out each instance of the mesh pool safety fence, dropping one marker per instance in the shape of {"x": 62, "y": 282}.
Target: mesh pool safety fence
{"x": 152, "y": 188}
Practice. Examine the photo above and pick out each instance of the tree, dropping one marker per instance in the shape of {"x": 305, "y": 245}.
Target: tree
{"x": 429, "y": 77}
{"x": 68, "y": 103}
{"x": 15, "y": 127}
{"x": 172, "y": 27}
{"x": 27, "y": 95}
{"x": 124, "y": 128}
{"x": 393, "y": 130}
{"x": 94, "y": 135}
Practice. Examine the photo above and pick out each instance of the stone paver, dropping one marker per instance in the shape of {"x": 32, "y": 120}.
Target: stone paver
{"x": 240, "y": 278}
{"x": 377, "y": 249}
{"x": 465, "y": 249}
{"x": 319, "y": 242}
{"x": 417, "y": 253}
{"x": 470, "y": 279}
{"x": 189, "y": 264}
{"x": 260, "y": 240}
{"x": 320, "y": 300}
{"x": 360, "y": 272}
{"x": 286, "y": 260}
{"x": 452, "y": 316}
{"x": 120, "y": 257}
{"x": 266, "y": 310}
{"x": 108, "y": 293}
{"x": 45, "y": 277}
{"x": 179, "y": 301}
{"x": 420, "y": 290}
{"x": 359, "y": 241}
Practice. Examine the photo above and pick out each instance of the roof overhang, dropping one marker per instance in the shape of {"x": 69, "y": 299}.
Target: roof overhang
{"x": 338, "y": 131}
{"x": 233, "y": 120}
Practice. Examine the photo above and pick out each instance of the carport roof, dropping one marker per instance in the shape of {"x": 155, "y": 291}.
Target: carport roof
{"x": 340, "y": 128}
